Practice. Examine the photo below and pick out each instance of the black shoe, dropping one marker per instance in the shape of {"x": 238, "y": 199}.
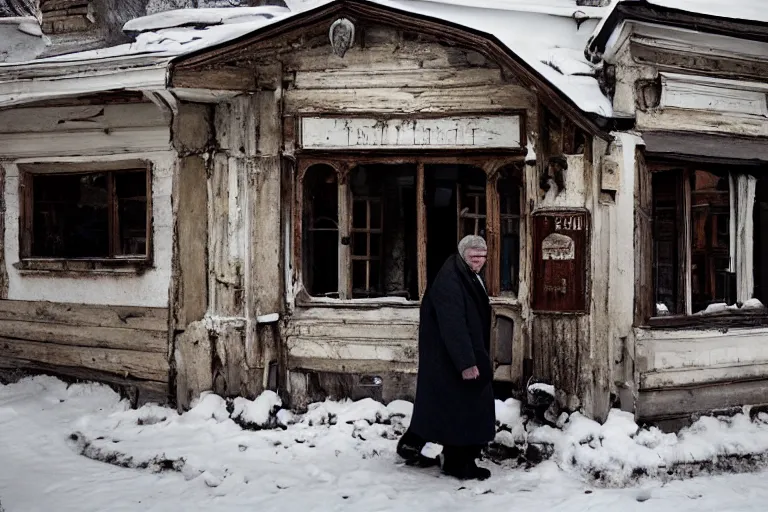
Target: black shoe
{"x": 465, "y": 470}
{"x": 409, "y": 447}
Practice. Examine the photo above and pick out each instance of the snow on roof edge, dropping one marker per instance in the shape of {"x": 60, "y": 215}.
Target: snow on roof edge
{"x": 582, "y": 92}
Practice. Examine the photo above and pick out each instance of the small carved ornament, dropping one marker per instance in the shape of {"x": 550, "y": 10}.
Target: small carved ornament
{"x": 342, "y": 35}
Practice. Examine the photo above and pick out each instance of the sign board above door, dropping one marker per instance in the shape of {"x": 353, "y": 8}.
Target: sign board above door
{"x": 462, "y": 132}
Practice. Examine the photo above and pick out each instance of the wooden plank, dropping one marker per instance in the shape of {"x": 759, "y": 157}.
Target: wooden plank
{"x": 368, "y": 78}
{"x": 192, "y": 128}
{"x": 414, "y": 132}
{"x": 358, "y": 330}
{"x": 264, "y": 280}
{"x": 689, "y": 400}
{"x": 81, "y": 117}
{"x": 410, "y": 100}
{"x": 193, "y": 359}
{"x": 702, "y": 121}
{"x": 358, "y": 313}
{"x": 421, "y": 230}
{"x": 704, "y": 349}
{"x": 128, "y": 363}
{"x": 643, "y": 242}
{"x": 104, "y": 337}
{"x": 350, "y": 365}
{"x": 92, "y": 142}
{"x": 225, "y": 281}
{"x": 345, "y": 226}
{"x": 704, "y": 375}
{"x": 416, "y": 56}
{"x": 150, "y": 319}
{"x": 685, "y": 289}
{"x": 224, "y": 78}
{"x": 651, "y": 51}
{"x": 384, "y": 349}
{"x": 149, "y": 390}
{"x": 493, "y": 236}
{"x": 3, "y": 268}
{"x": 192, "y": 234}
{"x": 26, "y": 215}
{"x": 237, "y": 125}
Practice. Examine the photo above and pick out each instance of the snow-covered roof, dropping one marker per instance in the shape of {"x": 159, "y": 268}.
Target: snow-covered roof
{"x": 754, "y": 10}
{"x": 709, "y": 16}
{"x": 548, "y": 35}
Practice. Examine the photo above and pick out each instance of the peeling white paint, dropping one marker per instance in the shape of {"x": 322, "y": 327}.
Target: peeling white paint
{"x": 148, "y": 289}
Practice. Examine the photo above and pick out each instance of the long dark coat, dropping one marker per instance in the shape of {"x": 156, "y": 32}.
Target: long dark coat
{"x": 454, "y": 334}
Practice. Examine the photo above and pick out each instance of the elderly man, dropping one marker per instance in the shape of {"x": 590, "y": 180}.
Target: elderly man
{"x": 454, "y": 396}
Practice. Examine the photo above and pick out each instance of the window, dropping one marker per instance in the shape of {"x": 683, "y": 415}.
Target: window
{"x": 366, "y": 227}
{"x": 85, "y": 215}
{"x": 708, "y": 251}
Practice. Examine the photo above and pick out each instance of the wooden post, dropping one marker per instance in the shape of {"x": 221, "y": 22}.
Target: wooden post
{"x": 493, "y": 236}
{"x": 421, "y": 230}
{"x": 345, "y": 252}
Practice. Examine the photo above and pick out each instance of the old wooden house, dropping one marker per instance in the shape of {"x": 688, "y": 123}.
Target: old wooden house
{"x": 252, "y": 198}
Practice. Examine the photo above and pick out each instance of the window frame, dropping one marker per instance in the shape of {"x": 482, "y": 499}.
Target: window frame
{"x": 116, "y": 263}
{"x": 684, "y": 197}
{"x": 490, "y": 163}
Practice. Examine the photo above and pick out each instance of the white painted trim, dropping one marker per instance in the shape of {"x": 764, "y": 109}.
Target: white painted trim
{"x": 17, "y": 91}
{"x": 737, "y": 97}
{"x": 681, "y": 40}
{"x": 268, "y": 319}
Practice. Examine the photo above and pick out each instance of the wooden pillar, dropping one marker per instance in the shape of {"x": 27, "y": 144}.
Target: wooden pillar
{"x": 189, "y": 287}
{"x": 264, "y": 283}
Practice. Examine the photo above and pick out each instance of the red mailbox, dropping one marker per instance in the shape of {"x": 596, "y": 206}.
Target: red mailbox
{"x": 560, "y": 256}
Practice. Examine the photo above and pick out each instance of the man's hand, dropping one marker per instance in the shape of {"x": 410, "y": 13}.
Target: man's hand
{"x": 470, "y": 373}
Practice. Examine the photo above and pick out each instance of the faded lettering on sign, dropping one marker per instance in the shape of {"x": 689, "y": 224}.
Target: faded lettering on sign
{"x": 501, "y": 131}
{"x": 558, "y": 247}
{"x": 569, "y": 223}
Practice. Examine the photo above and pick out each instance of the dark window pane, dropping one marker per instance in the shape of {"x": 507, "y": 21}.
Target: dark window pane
{"x": 359, "y": 215}
{"x": 375, "y": 217}
{"x": 455, "y": 197}
{"x": 131, "y": 196}
{"x": 359, "y": 244}
{"x": 508, "y": 188}
{"x": 359, "y": 277}
{"x": 710, "y": 248}
{"x": 70, "y": 216}
{"x": 375, "y": 246}
{"x": 666, "y": 186}
{"x": 321, "y": 232}
{"x": 384, "y": 231}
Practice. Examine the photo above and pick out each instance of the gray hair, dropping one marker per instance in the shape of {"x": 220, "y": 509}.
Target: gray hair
{"x": 471, "y": 242}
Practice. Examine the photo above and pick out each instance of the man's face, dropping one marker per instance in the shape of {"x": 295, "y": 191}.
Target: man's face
{"x": 476, "y": 259}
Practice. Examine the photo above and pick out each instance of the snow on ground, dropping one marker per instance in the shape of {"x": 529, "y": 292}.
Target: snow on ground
{"x": 338, "y": 456}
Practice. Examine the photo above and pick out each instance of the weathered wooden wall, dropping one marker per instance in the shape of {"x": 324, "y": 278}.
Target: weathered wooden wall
{"x": 685, "y": 371}
{"x": 111, "y": 324}
{"x": 226, "y": 345}
{"x": 392, "y": 71}
{"x": 685, "y": 89}
{"x": 123, "y": 345}
{"x": 397, "y": 73}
